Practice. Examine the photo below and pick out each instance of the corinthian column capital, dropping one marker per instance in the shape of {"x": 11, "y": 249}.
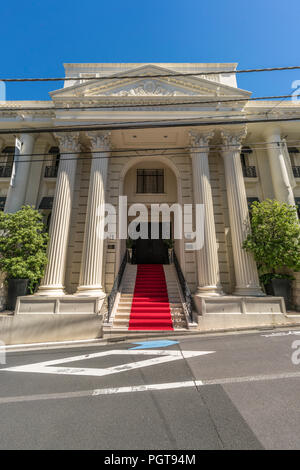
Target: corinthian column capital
{"x": 200, "y": 138}
{"x": 68, "y": 142}
{"x": 233, "y": 138}
{"x": 99, "y": 140}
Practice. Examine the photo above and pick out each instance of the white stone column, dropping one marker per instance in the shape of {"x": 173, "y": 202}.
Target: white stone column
{"x": 53, "y": 282}
{"x": 90, "y": 283}
{"x": 207, "y": 256}
{"x": 276, "y": 147}
{"x": 18, "y": 185}
{"x": 247, "y": 282}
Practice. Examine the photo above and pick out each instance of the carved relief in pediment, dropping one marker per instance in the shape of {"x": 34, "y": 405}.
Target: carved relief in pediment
{"x": 143, "y": 88}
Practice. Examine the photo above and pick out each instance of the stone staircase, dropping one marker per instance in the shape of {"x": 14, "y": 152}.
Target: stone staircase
{"x": 123, "y": 307}
{"x": 175, "y": 299}
{"x": 119, "y": 320}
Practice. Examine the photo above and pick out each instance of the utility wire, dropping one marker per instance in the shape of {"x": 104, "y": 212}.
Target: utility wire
{"x": 67, "y": 108}
{"x": 176, "y": 74}
{"x": 253, "y": 145}
{"x": 145, "y": 155}
{"x": 141, "y": 122}
{"x": 143, "y": 125}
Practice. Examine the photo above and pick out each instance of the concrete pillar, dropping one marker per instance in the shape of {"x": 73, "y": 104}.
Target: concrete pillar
{"x": 18, "y": 183}
{"x": 247, "y": 281}
{"x": 53, "y": 282}
{"x": 281, "y": 180}
{"x": 90, "y": 283}
{"x": 207, "y": 256}
{"x": 35, "y": 174}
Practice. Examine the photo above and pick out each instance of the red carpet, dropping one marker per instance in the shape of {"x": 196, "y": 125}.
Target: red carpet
{"x": 150, "y": 308}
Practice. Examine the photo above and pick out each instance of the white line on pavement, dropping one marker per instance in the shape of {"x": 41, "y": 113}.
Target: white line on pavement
{"x": 162, "y": 356}
{"x": 148, "y": 388}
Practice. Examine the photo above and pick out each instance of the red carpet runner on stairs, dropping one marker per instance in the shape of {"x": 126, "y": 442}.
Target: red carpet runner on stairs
{"x": 150, "y": 308}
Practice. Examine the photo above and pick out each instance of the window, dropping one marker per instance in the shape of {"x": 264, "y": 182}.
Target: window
{"x": 46, "y": 202}
{"x": 6, "y": 161}
{"x": 51, "y": 170}
{"x": 150, "y": 181}
{"x": 293, "y": 152}
{"x": 295, "y": 161}
{"x": 297, "y": 203}
{"x": 250, "y": 200}
{"x": 2, "y": 202}
{"x": 248, "y": 170}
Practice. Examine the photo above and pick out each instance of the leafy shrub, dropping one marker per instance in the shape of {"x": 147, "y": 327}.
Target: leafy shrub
{"x": 274, "y": 240}
{"x": 23, "y": 244}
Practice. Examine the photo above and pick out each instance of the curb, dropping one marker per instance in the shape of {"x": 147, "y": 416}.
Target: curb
{"x": 132, "y": 338}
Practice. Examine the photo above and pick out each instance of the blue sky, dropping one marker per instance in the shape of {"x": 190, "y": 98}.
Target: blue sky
{"x": 38, "y": 36}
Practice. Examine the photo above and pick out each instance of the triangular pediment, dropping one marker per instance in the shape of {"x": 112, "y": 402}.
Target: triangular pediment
{"x": 139, "y": 82}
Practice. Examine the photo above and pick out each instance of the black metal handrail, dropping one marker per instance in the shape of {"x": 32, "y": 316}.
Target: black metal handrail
{"x": 296, "y": 171}
{"x": 50, "y": 171}
{"x": 112, "y": 296}
{"x": 187, "y": 296}
{"x": 249, "y": 171}
{"x": 5, "y": 171}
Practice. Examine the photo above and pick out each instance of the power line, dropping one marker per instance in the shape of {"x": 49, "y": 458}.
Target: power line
{"x": 138, "y": 123}
{"x": 114, "y": 77}
{"x": 154, "y": 149}
{"x": 143, "y": 125}
{"x": 182, "y": 152}
{"x": 67, "y": 108}
{"x": 145, "y": 155}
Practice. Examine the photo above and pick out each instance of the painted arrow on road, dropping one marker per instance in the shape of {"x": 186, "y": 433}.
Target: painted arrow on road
{"x": 154, "y": 344}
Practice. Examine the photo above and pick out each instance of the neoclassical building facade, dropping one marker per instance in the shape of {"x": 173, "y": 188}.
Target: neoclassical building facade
{"x": 193, "y": 139}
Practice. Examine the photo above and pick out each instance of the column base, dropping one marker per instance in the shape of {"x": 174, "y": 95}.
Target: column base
{"x": 209, "y": 291}
{"x": 249, "y": 291}
{"x": 90, "y": 291}
{"x": 51, "y": 291}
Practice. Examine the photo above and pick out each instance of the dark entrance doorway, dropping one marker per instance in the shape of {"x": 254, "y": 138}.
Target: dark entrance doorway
{"x": 151, "y": 251}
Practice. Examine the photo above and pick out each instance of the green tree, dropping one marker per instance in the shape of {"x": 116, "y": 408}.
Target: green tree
{"x": 274, "y": 240}
{"x": 23, "y": 244}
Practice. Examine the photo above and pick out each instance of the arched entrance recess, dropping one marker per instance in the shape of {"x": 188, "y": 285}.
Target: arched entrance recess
{"x": 172, "y": 192}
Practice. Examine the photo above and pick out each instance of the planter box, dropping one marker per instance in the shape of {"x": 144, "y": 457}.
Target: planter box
{"x": 16, "y": 288}
{"x": 281, "y": 288}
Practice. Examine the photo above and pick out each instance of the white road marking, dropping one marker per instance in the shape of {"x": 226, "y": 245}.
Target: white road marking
{"x": 147, "y": 388}
{"x": 163, "y": 356}
{"x": 282, "y": 333}
{"x": 53, "y": 343}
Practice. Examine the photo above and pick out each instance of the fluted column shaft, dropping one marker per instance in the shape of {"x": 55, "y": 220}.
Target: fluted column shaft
{"x": 282, "y": 187}
{"x": 247, "y": 282}
{"x": 207, "y": 256}
{"x": 53, "y": 282}
{"x": 22, "y": 161}
{"x": 92, "y": 253}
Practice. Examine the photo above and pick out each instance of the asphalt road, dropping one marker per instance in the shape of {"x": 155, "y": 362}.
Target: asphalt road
{"x": 242, "y": 394}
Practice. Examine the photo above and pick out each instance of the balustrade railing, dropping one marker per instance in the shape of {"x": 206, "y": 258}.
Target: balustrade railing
{"x": 296, "y": 171}
{"x": 115, "y": 288}
{"x": 50, "y": 171}
{"x": 5, "y": 171}
{"x": 249, "y": 171}
{"x": 187, "y": 296}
